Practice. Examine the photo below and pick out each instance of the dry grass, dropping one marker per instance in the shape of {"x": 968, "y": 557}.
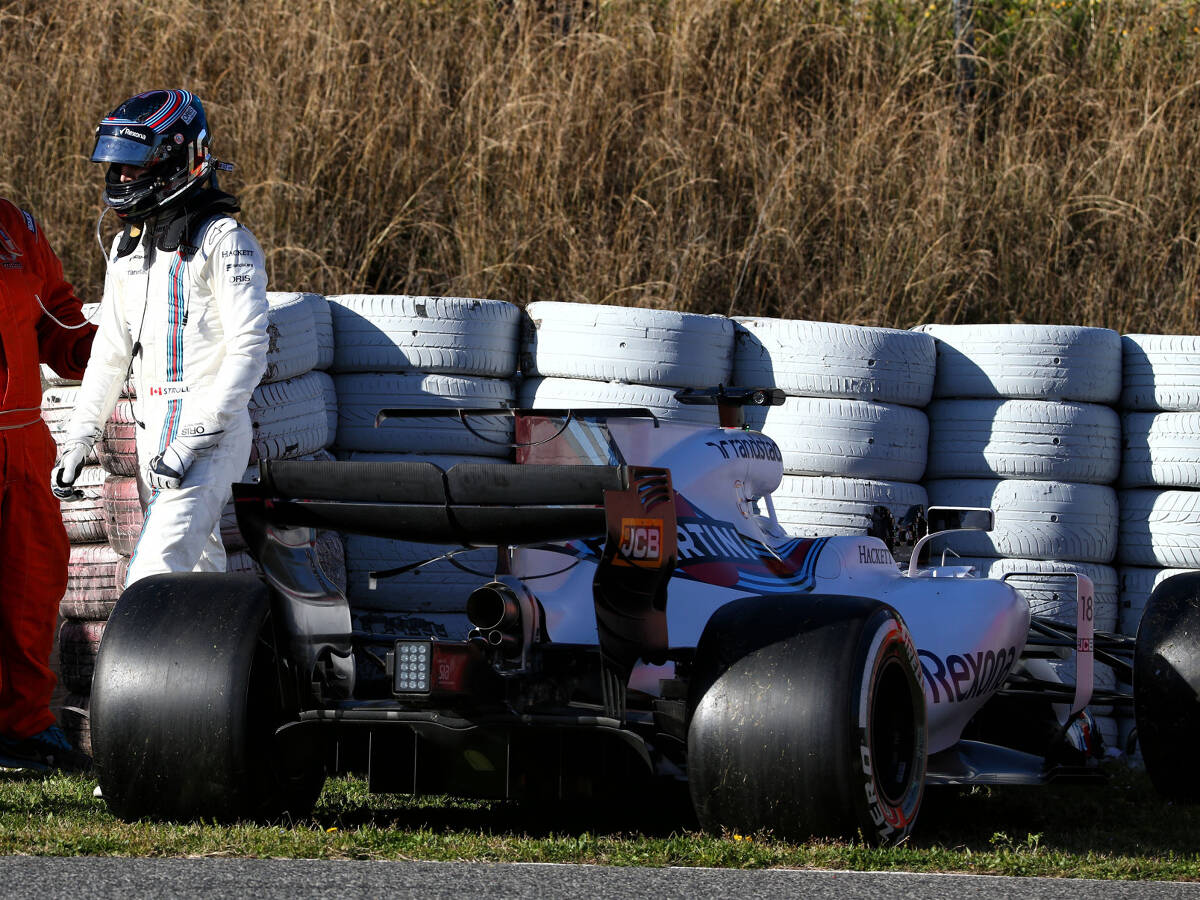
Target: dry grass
{"x": 748, "y": 157}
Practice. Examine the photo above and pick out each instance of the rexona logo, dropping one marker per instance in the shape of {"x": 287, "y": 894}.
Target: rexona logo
{"x": 641, "y": 542}
{"x": 129, "y": 132}
{"x": 963, "y": 676}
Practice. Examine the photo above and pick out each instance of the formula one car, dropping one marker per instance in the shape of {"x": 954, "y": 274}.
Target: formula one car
{"x": 647, "y": 618}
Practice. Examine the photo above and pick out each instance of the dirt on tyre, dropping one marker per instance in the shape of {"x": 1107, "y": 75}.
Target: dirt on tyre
{"x": 189, "y": 689}
{"x": 1166, "y": 685}
{"x": 807, "y": 719}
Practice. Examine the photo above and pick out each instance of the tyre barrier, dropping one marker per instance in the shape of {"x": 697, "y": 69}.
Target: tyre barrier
{"x": 1160, "y": 372}
{"x": 123, "y": 513}
{"x": 1160, "y": 449}
{"x": 291, "y": 337}
{"x": 1033, "y": 439}
{"x": 654, "y": 347}
{"x": 75, "y": 722}
{"x": 84, "y": 518}
{"x": 117, "y": 447}
{"x": 361, "y": 397}
{"x": 78, "y": 644}
{"x": 820, "y": 506}
{"x": 821, "y": 359}
{"x": 1033, "y": 362}
{"x": 434, "y": 335}
{"x": 1160, "y": 528}
{"x": 1033, "y": 519}
{"x": 851, "y": 438}
{"x": 92, "y": 582}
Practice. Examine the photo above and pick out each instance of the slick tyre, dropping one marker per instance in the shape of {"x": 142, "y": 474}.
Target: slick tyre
{"x": 1166, "y": 684}
{"x": 775, "y": 743}
{"x": 189, "y": 689}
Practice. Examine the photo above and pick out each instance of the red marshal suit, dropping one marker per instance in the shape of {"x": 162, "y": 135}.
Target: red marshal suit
{"x": 33, "y": 542}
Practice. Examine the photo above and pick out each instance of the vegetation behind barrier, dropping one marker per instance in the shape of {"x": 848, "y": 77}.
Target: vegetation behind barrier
{"x": 806, "y": 159}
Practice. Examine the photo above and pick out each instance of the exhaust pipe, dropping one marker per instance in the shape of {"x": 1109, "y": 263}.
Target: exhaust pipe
{"x": 498, "y": 617}
{"x": 494, "y": 607}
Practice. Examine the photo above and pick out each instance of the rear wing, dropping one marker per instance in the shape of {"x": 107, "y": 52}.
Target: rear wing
{"x": 470, "y": 504}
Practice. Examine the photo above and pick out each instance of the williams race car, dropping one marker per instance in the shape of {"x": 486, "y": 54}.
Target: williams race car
{"x": 647, "y": 618}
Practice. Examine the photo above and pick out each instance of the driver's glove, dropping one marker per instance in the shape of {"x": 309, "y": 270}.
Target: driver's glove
{"x": 67, "y": 469}
{"x": 167, "y": 470}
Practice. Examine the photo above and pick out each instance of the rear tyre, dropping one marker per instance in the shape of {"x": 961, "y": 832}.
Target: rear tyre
{"x": 189, "y": 689}
{"x": 808, "y": 720}
{"x": 1166, "y": 687}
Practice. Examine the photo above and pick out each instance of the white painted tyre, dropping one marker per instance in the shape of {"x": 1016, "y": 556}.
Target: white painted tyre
{"x": 1038, "y": 439}
{"x": 441, "y": 586}
{"x": 289, "y": 418}
{"x": 1049, "y": 589}
{"x": 443, "y": 335}
{"x": 58, "y": 401}
{"x": 361, "y": 397}
{"x": 318, "y": 307}
{"x": 849, "y": 438}
{"x": 123, "y": 515}
{"x": 84, "y": 519}
{"x": 816, "y": 506}
{"x": 616, "y": 343}
{"x": 1161, "y": 372}
{"x": 1160, "y": 528}
{"x": 291, "y": 337}
{"x": 331, "y": 405}
{"x": 1161, "y": 449}
{"x": 1136, "y": 585}
{"x": 117, "y": 448}
{"x": 579, "y": 393}
{"x": 1033, "y": 519}
{"x": 823, "y": 359}
{"x": 1031, "y": 362}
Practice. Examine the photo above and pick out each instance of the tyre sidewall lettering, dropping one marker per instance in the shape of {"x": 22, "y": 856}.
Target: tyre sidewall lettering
{"x": 890, "y": 640}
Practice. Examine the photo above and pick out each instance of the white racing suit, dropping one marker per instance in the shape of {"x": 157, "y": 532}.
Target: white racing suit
{"x": 194, "y": 323}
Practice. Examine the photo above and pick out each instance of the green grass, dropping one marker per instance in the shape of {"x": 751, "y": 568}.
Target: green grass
{"x": 1119, "y": 830}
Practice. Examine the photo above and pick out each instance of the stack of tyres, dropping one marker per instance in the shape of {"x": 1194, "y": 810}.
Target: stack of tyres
{"x": 590, "y": 355}
{"x": 1022, "y": 422}
{"x": 851, "y": 430}
{"x": 423, "y": 353}
{"x": 1160, "y": 471}
{"x": 291, "y": 415}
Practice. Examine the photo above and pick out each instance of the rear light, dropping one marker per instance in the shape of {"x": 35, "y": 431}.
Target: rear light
{"x": 430, "y": 667}
{"x": 411, "y": 667}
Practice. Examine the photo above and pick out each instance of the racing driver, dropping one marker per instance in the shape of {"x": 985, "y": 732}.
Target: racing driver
{"x": 40, "y": 321}
{"x": 184, "y": 312}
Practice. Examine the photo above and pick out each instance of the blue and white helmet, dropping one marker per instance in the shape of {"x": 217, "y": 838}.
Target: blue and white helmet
{"x": 164, "y": 132}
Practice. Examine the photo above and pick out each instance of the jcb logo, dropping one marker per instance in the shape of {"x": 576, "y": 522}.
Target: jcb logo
{"x": 641, "y": 540}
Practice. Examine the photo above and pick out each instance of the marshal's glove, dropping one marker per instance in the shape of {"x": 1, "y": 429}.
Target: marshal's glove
{"x": 167, "y": 470}
{"x": 67, "y": 469}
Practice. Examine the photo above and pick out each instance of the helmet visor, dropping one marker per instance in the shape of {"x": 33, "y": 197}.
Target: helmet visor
{"x": 112, "y": 148}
